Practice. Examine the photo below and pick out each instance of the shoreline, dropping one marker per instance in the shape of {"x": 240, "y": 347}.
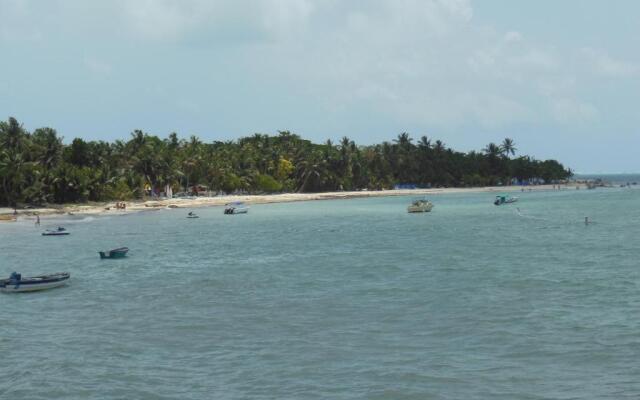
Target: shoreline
{"x": 108, "y": 208}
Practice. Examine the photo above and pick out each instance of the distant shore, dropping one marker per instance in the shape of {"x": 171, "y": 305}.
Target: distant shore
{"x": 108, "y": 208}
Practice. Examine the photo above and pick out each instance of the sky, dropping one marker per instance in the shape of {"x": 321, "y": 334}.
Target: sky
{"x": 561, "y": 78}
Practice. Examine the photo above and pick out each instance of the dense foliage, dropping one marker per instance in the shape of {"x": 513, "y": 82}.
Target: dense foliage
{"x": 37, "y": 167}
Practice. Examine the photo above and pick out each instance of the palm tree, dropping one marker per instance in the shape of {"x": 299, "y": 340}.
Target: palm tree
{"x": 492, "y": 150}
{"x": 404, "y": 140}
{"x": 38, "y": 167}
{"x": 439, "y": 146}
{"x": 424, "y": 143}
{"x": 508, "y": 147}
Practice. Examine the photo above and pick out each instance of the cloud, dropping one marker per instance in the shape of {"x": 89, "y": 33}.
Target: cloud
{"x": 420, "y": 62}
{"x": 605, "y": 65}
{"x": 14, "y": 26}
{"x": 97, "y": 66}
{"x": 512, "y": 37}
{"x": 572, "y": 112}
{"x": 176, "y": 21}
{"x": 393, "y": 63}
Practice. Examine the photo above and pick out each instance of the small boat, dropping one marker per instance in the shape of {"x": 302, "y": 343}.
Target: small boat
{"x": 192, "y": 215}
{"x": 504, "y": 200}
{"x": 59, "y": 231}
{"x": 420, "y": 205}
{"x": 237, "y": 207}
{"x": 120, "y": 252}
{"x": 16, "y": 283}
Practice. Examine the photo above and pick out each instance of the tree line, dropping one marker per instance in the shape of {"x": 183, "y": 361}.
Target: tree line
{"x": 38, "y": 168}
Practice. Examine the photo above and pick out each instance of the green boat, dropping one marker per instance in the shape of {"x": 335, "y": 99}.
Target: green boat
{"x": 115, "y": 253}
{"x": 504, "y": 199}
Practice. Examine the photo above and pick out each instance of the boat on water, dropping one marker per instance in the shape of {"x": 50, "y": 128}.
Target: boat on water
{"x": 420, "y": 205}
{"x": 192, "y": 215}
{"x": 503, "y": 199}
{"x": 120, "y": 252}
{"x": 16, "y": 283}
{"x": 237, "y": 207}
{"x": 59, "y": 231}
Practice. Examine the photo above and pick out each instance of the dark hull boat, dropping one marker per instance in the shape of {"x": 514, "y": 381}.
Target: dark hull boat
{"x": 115, "y": 253}
{"x": 60, "y": 231}
{"x": 16, "y": 283}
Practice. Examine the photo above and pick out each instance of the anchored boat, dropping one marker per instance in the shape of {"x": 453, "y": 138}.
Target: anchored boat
{"x": 16, "y": 283}
{"x": 120, "y": 252}
{"x": 59, "y": 231}
{"x": 500, "y": 200}
{"x": 237, "y": 207}
{"x": 420, "y": 205}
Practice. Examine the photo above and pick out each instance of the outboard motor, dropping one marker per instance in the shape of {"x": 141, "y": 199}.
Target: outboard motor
{"x": 14, "y": 279}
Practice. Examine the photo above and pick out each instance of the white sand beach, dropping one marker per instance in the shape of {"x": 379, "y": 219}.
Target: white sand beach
{"x": 137, "y": 206}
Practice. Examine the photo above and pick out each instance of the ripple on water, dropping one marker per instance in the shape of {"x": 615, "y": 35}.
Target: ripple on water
{"x": 338, "y": 299}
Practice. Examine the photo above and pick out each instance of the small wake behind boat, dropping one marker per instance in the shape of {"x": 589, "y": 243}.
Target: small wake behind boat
{"x": 59, "y": 231}
{"x": 16, "y": 283}
{"x": 120, "y": 252}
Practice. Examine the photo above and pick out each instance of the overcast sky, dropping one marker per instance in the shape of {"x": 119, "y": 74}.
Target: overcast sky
{"x": 562, "y": 78}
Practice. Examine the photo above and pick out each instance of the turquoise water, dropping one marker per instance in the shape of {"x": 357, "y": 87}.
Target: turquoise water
{"x": 351, "y": 299}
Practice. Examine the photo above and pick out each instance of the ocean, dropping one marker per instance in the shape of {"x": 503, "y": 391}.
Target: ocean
{"x": 340, "y": 299}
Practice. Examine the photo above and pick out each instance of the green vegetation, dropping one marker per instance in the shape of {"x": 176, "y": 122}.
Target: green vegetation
{"x": 37, "y": 168}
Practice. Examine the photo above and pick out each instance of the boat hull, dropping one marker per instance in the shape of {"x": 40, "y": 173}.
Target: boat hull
{"x": 33, "y": 285}
{"x": 506, "y": 201}
{"x": 116, "y": 253}
{"x": 55, "y": 233}
{"x": 236, "y": 211}
{"x": 420, "y": 208}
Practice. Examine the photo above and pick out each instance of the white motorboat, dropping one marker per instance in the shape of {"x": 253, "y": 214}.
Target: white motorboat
{"x": 16, "y": 283}
{"x": 59, "y": 231}
{"x": 420, "y": 205}
{"x": 237, "y": 207}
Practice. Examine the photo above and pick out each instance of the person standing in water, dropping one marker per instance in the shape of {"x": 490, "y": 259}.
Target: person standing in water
{"x": 37, "y": 220}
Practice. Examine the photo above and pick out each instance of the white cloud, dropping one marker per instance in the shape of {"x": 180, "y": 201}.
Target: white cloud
{"x": 14, "y": 27}
{"x": 178, "y": 20}
{"x": 534, "y": 58}
{"x": 512, "y": 37}
{"x": 573, "y": 112}
{"x": 413, "y": 62}
{"x": 604, "y": 64}
{"x": 97, "y": 66}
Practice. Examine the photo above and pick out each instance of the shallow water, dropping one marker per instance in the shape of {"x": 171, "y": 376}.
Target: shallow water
{"x": 334, "y": 299}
